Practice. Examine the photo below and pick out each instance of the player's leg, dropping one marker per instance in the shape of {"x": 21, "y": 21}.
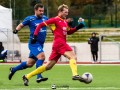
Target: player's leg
{"x": 39, "y": 62}
{"x": 72, "y": 61}
{"x": 39, "y": 56}
{"x": 39, "y": 70}
{"x": 52, "y": 61}
{"x": 21, "y": 66}
{"x": 66, "y": 50}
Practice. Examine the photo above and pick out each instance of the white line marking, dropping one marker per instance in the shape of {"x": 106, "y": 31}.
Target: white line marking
{"x": 83, "y": 88}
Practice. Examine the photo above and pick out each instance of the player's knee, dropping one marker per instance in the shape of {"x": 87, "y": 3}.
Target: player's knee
{"x": 73, "y": 57}
{"x": 48, "y": 67}
{"x": 30, "y": 65}
{"x": 41, "y": 57}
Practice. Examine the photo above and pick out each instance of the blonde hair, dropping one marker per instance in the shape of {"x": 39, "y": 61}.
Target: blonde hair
{"x": 61, "y": 7}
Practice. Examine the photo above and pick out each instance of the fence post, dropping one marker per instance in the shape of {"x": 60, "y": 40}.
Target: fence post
{"x": 89, "y": 17}
{"x": 116, "y": 14}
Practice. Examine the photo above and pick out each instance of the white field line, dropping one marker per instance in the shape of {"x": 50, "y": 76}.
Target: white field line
{"x": 82, "y": 88}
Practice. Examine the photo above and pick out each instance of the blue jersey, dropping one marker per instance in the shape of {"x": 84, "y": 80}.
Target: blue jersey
{"x": 32, "y": 22}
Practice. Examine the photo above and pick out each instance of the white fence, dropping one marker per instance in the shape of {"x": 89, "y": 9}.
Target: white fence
{"x": 109, "y": 51}
{"x": 82, "y": 51}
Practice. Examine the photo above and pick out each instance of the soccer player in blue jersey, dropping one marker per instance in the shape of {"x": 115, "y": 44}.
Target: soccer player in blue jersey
{"x": 36, "y": 54}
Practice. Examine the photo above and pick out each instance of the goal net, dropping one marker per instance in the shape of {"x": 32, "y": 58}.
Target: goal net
{"x": 109, "y": 48}
{"x": 11, "y": 43}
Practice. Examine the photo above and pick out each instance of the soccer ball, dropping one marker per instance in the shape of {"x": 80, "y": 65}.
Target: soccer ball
{"x": 53, "y": 86}
{"x": 88, "y": 77}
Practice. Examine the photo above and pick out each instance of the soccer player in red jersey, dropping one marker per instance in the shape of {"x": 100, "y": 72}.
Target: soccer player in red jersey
{"x": 60, "y": 47}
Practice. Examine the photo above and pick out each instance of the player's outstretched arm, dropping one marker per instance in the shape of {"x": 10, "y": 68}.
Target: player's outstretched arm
{"x": 72, "y": 30}
{"x": 18, "y": 28}
{"x": 38, "y": 28}
{"x": 81, "y": 25}
{"x": 46, "y": 23}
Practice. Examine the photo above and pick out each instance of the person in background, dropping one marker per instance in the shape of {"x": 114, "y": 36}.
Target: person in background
{"x": 81, "y": 20}
{"x": 93, "y": 41}
{"x": 3, "y": 52}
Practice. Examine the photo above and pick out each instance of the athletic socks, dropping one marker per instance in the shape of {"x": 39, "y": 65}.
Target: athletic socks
{"x": 21, "y": 66}
{"x": 73, "y": 66}
{"x": 36, "y": 71}
{"x": 38, "y": 64}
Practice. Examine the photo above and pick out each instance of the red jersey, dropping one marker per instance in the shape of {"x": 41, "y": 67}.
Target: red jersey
{"x": 61, "y": 30}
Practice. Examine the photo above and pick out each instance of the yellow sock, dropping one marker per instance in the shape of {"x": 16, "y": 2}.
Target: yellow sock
{"x": 73, "y": 67}
{"x": 36, "y": 71}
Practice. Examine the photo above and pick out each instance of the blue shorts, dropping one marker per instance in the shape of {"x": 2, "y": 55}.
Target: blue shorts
{"x": 35, "y": 49}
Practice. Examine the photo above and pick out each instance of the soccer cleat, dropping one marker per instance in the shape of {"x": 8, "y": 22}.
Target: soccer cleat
{"x": 25, "y": 80}
{"x": 41, "y": 79}
{"x": 11, "y": 73}
{"x": 77, "y": 77}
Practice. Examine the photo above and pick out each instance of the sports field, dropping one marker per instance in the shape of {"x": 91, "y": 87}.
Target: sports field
{"x": 106, "y": 77}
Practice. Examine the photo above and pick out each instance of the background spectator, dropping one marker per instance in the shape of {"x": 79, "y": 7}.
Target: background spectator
{"x": 93, "y": 41}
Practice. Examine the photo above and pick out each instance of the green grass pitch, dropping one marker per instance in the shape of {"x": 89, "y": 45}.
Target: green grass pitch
{"x": 106, "y": 77}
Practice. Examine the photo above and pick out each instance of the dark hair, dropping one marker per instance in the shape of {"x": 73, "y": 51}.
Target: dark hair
{"x": 38, "y": 6}
{"x": 93, "y": 33}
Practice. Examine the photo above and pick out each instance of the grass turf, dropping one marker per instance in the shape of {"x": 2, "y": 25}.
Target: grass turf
{"x": 106, "y": 77}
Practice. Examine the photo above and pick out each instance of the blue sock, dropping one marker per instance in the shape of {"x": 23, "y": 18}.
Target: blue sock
{"x": 21, "y": 66}
{"x": 39, "y": 63}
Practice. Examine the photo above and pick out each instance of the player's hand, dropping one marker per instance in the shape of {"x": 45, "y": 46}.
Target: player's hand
{"x": 81, "y": 25}
{"x": 34, "y": 39}
{"x": 15, "y": 31}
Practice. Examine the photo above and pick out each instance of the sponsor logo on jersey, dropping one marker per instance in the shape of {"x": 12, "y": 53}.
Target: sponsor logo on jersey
{"x": 36, "y": 24}
{"x": 43, "y": 19}
{"x": 42, "y": 30}
{"x": 39, "y": 49}
{"x": 64, "y": 31}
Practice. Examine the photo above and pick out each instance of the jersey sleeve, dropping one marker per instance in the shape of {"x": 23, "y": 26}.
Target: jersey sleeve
{"x": 26, "y": 21}
{"x": 45, "y": 23}
{"x": 71, "y": 31}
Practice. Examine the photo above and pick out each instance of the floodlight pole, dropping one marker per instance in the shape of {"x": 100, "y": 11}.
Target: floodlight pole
{"x": 10, "y": 3}
{"x": 14, "y": 9}
{"x": 47, "y": 9}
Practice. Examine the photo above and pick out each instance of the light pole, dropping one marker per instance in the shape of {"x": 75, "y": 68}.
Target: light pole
{"x": 47, "y": 9}
{"x": 14, "y": 9}
{"x": 116, "y": 14}
{"x": 116, "y": 11}
{"x": 10, "y": 3}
